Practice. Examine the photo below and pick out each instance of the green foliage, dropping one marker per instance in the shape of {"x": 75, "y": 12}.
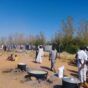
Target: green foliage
{"x": 39, "y": 39}
{"x": 70, "y": 39}
{"x": 71, "y": 48}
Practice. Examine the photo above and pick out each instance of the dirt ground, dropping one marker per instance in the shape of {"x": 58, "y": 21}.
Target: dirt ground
{"x": 9, "y": 78}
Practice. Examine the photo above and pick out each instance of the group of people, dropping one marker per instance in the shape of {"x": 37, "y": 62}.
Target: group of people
{"x": 52, "y": 56}
{"x": 81, "y": 59}
{"x": 82, "y": 63}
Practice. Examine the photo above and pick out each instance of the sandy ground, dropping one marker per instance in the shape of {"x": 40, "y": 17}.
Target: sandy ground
{"x": 9, "y": 78}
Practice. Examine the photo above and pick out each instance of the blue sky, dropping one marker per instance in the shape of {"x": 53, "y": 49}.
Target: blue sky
{"x": 34, "y": 16}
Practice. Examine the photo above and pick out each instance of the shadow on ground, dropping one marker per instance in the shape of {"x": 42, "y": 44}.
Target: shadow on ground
{"x": 72, "y": 63}
{"x": 73, "y": 73}
{"x": 57, "y": 86}
{"x": 46, "y": 68}
{"x": 34, "y": 61}
{"x": 7, "y": 71}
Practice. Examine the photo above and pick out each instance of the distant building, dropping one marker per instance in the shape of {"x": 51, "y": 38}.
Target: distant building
{"x": 47, "y": 48}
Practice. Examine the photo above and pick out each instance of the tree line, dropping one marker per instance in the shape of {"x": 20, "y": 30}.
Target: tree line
{"x": 21, "y": 39}
{"x": 69, "y": 38}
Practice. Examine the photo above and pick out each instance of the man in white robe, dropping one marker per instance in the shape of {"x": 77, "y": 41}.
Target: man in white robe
{"x": 40, "y": 55}
{"x": 81, "y": 62}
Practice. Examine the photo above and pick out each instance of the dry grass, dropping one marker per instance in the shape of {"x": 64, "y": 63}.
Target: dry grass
{"x": 11, "y": 79}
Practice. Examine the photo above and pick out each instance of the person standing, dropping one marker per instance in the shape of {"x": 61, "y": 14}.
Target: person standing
{"x": 87, "y": 59}
{"x": 52, "y": 58}
{"x": 81, "y": 57}
{"x": 36, "y": 53}
{"x": 40, "y": 55}
{"x": 4, "y": 47}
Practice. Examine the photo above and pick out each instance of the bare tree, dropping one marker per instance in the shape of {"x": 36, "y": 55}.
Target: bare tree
{"x": 68, "y": 29}
{"x": 82, "y": 33}
{"x": 19, "y": 38}
{"x": 40, "y": 39}
{"x": 3, "y": 40}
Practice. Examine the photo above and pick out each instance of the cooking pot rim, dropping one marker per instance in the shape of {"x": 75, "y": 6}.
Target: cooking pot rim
{"x": 29, "y": 72}
{"x": 21, "y": 64}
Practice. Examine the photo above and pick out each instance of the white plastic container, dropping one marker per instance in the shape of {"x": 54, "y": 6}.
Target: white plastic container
{"x": 61, "y": 72}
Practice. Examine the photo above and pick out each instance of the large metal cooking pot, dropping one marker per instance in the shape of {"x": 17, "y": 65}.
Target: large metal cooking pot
{"x": 22, "y": 66}
{"x": 39, "y": 74}
{"x": 70, "y": 82}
